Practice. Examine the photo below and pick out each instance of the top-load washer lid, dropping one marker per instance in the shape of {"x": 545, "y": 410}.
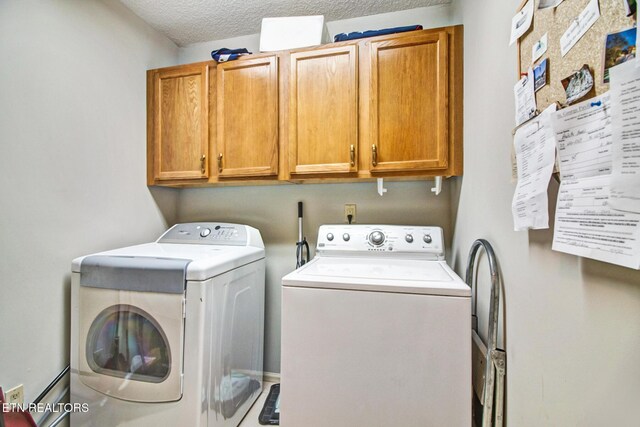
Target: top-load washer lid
{"x": 380, "y": 275}
{"x": 211, "y": 248}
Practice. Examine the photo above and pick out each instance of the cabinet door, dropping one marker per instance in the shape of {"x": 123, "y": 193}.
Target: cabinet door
{"x": 179, "y": 131}
{"x": 323, "y": 111}
{"x": 408, "y": 95}
{"x": 247, "y": 119}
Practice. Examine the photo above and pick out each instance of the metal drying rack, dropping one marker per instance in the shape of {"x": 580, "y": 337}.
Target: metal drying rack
{"x": 488, "y": 361}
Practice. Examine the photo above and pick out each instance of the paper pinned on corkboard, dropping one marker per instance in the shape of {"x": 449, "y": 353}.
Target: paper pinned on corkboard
{"x": 588, "y": 50}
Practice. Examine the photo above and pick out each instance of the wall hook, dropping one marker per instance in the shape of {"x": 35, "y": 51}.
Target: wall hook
{"x": 381, "y": 189}
{"x": 437, "y": 187}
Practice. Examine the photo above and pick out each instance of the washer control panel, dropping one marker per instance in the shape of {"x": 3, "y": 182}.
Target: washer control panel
{"x": 389, "y": 239}
{"x": 206, "y": 233}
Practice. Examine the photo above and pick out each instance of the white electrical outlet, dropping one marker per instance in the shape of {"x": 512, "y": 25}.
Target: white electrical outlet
{"x": 350, "y": 209}
{"x": 15, "y": 395}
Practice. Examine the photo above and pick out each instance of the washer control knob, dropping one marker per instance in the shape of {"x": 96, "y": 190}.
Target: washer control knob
{"x": 346, "y": 237}
{"x": 409, "y": 238}
{"x": 205, "y": 232}
{"x": 427, "y": 238}
{"x": 329, "y": 236}
{"x": 376, "y": 238}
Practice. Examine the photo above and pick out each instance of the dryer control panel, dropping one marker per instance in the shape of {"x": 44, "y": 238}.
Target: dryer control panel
{"x": 403, "y": 240}
{"x": 209, "y": 233}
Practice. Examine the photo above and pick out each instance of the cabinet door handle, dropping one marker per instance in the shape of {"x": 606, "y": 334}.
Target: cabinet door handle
{"x": 352, "y": 154}
{"x": 374, "y": 155}
{"x": 203, "y": 163}
{"x": 220, "y": 162}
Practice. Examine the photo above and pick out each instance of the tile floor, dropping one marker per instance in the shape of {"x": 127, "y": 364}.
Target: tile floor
{"x": 251, "y": 419}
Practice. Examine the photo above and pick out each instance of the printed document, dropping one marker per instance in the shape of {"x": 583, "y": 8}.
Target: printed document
{"x": 625, "y": 174}
{"x": 521, "y": 22}
{"x": 535, "y": 150}
{"x": 583, "y": 135}
{"x": 585, "y": 223}
{"x": 586, "y": 226}
{"x": 539, "y": 48}
{"x": 525, "y": 98}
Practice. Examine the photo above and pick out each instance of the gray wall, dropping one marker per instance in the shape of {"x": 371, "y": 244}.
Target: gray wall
{"x": 573, "y": 324}
{"x": 73, "y": 131}
{"x": 273, "y": 210}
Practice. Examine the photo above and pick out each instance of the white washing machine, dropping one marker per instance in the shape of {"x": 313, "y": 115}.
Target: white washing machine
{"x": 376, "y": 332}
{"x": 170, "y": 333}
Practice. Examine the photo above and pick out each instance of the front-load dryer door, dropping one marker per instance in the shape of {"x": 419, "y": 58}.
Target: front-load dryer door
{"x": 131, "y": 343}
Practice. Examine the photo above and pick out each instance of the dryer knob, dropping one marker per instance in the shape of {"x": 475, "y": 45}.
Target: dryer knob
{"x": 427, "y": 238}
{"x": 346, "y": 237}
{"x": 205, "y": 232}
{"x": 329, "y": 236}
{"x": 408, "y": 238}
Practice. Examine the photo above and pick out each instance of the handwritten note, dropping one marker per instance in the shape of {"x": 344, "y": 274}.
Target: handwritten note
{"x": 586, "y": 225}
{"x": 579, "y": 26}
{"x": 535, "y": 155}
{"x": 625, "y": 175}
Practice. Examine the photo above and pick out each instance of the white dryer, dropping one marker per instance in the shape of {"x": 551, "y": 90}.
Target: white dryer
{"x": 170, "y": 333}
{"x": 376, "y": 332}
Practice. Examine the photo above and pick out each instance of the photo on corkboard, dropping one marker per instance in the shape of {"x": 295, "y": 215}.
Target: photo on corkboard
{"x": 619, "y": 47}
{"x": 540, "y": 75}
{"x": 630, "y": 6}
{"x": 578, "y": 85}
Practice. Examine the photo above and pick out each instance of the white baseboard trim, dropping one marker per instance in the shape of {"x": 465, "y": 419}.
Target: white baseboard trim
{"x": 271, "y": 377}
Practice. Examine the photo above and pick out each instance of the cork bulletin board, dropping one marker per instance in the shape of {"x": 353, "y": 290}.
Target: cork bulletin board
{"x": 588, "y": 50}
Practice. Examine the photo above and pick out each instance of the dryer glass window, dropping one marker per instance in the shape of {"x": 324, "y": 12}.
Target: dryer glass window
{"x": 127, "y": 342}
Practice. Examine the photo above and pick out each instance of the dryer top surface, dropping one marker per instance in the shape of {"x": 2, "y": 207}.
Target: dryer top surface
{"x": 207, "y": 261}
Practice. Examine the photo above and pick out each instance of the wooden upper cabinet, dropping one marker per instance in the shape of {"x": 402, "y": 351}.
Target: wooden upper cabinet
{"x": 178, "y": 138}
{"x": 323, "y": 111}
{"x": 247, "y": 118}
{"x": 408, "y": 103}
{"x": 387, "y": 106}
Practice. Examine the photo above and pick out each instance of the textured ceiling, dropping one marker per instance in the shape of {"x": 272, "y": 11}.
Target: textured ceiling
{"x": 192, "y": 21}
